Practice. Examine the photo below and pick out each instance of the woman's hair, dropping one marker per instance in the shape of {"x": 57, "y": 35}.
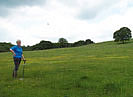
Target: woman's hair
{"x": 18, "y": 41}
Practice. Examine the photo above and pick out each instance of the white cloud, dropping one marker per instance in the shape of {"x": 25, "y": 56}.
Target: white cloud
{"x": 60, "y": 18}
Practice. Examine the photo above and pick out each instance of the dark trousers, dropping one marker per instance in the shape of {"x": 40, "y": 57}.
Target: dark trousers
{"x": 17, "y": 62}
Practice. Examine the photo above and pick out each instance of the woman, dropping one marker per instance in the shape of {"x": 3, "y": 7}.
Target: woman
{"x": 17, "y": 56}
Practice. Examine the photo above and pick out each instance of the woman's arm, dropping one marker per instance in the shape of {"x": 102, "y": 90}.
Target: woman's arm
{"x": 13, "y": 52}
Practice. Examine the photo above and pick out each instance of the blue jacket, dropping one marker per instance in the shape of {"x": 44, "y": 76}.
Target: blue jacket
{"x": 18, "y": 51}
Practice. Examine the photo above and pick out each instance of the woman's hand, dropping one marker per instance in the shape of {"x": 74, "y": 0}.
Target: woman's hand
{"x": 23, "y": 58}
{"x": 14, "y": 54}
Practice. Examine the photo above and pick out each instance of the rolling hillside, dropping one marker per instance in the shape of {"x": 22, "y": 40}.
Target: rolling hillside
{"x": 97, "y": 70}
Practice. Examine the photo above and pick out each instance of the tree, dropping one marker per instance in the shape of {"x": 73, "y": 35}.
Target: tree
{"x": 124, "y": 34}
{"x": 63, "y": 42}
{"x": 79, "y": 43}
{"x": 88, "y": 41}
{"x": 43, "y": 45}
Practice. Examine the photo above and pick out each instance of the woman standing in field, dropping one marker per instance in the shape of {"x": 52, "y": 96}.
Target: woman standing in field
{"x": 17, "y": 56}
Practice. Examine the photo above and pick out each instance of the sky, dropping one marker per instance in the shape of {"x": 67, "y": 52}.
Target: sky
{"x": 34, "y": 20}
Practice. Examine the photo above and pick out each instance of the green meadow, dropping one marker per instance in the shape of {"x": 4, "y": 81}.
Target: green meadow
{"x": 97, "y": 70}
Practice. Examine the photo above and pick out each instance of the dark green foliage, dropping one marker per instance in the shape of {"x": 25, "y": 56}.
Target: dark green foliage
{"x": 56, "y": 45}
{"x": 26, "y": 48}
{"x": 63, "y": 43}
{"x": 43, "y": 45}
{"x": 62, "y": 40}
{"x": 124, "y": 34}
{"x": 88, "y": 41}
{"x": 4, "y": 47}
{"x": 79, "y": 43}
{"x": 82, "y": 42}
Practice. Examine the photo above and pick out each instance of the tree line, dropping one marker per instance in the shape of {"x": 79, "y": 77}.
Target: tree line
{"x": 43, "y": 45}
{"x": 62, "y": 43}
{"x": 4, "y": 47}
{"x": 122, "y": 35}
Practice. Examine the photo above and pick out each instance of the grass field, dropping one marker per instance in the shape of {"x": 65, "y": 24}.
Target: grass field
{"x": 97, "y": 70}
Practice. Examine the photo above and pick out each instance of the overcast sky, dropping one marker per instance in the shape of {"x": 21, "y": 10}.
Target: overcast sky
{"x": 36, "y": 20}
